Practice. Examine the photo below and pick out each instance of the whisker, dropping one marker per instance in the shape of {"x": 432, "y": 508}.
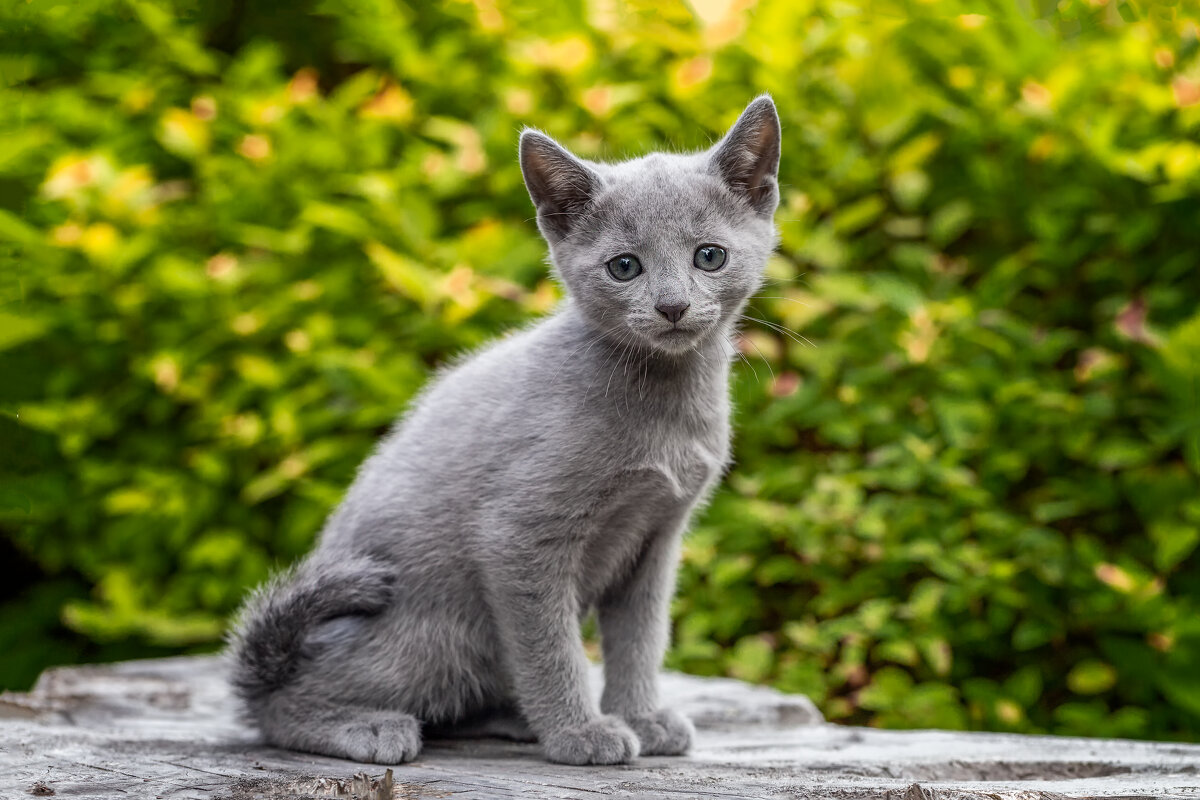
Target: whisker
{"x": 590, "y": 343}
{"x": 609, "y": 346}
{"x": 782, "y": 329}
{"x": 620, "y": 358}
{"x": 778, "y": 297}
{"x": 797, "y": 279}
{"x": 788, "y": 331}
{"x": 742, "y": 356}
{"x": 761, "y": 355}
{"x": 645, "y": 377}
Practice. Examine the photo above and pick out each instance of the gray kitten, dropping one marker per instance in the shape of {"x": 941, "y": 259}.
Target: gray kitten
{"x": 547, "y": 475}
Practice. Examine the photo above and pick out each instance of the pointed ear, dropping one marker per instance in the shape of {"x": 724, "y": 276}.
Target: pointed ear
{"x": 747, "y": 159}
{"x": 560, "y": 185}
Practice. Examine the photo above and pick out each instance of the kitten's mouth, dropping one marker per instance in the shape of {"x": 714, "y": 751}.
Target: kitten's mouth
{"x": 678, "y": 333}
{"x": 677, "y": 339}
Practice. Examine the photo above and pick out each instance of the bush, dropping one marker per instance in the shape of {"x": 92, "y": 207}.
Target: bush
{"x": 234, "y": 244}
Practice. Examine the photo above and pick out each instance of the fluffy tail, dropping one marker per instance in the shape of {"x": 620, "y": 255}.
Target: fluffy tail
{"x": 267, "y": 643}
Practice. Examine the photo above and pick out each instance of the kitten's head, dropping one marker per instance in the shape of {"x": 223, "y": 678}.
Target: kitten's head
{"x": 666, "y": 248}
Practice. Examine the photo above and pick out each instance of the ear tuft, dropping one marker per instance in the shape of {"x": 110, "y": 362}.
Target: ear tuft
{"x": 747, "y": 158}
{"x": 561, "y": 186}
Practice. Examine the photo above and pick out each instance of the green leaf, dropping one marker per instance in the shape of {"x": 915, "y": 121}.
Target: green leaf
{"x": 752, "y": 659}
{"x": 859, "y": 214}
{"x": 1091, "y": 677}
{"x": 14, "y": 229}
{"x": 1173, "y": 542}
{"x": 403, "y": 274}
{"x": 949, "y": 222}
{"x": 16, "y": 330}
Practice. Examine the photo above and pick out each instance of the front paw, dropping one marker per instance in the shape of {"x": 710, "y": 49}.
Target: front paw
{"x": 606, "y": 740}
{"x": 663, "y": 732}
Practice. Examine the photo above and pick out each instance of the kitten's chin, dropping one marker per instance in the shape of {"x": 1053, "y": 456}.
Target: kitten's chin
{"x": 677, "y": 341}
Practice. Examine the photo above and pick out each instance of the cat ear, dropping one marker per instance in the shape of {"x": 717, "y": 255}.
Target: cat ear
{"x": 747, "y": 159}
{"x": 561, "y": 185}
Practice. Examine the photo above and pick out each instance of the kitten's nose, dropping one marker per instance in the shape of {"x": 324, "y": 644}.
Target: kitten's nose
{"x": 672, "y": 311}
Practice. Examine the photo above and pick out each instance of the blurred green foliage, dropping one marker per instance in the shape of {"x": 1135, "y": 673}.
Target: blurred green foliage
{"x": 235, "y": 240}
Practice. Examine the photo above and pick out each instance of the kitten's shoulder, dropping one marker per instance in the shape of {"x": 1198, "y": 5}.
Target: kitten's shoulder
{"x": 500, "y": 371}
{"x": 529, "y": 344}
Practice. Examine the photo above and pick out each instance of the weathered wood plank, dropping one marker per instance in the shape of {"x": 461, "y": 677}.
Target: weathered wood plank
{"x": 166, "y": 729}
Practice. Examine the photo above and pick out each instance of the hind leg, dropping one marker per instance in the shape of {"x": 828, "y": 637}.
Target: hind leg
{"x": 343, "y": 731}
{"x": 363, "y": 685}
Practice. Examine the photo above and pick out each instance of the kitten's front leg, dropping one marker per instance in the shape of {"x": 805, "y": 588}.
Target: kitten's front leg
{"x": 634, "y": 627}
{"x": 532, "y": 595}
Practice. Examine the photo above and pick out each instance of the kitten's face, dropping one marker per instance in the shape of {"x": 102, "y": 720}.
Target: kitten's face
{"x": 663, "y": 250}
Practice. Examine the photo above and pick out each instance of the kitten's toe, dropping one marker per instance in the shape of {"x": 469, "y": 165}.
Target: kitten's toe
{"x": 380, "y": 738}
{"x": 607, "y": 740}
{"x": 663, "y": 732}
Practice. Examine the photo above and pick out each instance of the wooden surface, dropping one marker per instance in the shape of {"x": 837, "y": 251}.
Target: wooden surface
{"x": 165, "y": 729}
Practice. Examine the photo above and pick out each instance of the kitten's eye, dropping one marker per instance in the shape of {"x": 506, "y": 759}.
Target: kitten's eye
{"x": 709, "y": 257}
{"x": 625, "y": 268}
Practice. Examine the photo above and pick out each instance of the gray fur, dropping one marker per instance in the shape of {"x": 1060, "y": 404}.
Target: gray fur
{"x": 547, "y": 475}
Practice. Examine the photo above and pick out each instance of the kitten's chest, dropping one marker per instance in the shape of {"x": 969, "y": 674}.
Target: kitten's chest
{"x": 638, "y": 462}
{"x": 683, "y": 466}
{"x": 685, "y": 442}
{"x": 648, "y": 495}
